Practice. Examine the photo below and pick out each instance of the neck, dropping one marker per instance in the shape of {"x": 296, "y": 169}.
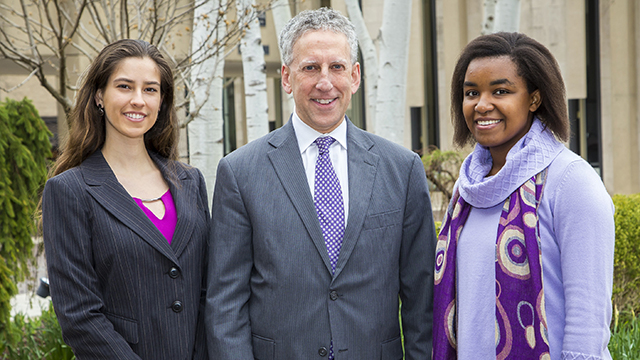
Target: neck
{"x": 499, "y": 158}
{"x": 128, "y": 159}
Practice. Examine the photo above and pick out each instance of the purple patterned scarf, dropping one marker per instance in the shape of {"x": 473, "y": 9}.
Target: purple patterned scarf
{"x": 520, "y": 312}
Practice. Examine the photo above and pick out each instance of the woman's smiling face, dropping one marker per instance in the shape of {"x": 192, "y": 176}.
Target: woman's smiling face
{"x": 131, "y": 99}
{"x": 497, "y": 105}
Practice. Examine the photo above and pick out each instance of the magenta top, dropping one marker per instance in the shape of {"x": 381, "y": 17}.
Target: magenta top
{"x": 166, "y": 225}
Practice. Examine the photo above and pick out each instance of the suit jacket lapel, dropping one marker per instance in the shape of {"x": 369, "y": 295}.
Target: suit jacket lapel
{"x": 108, "y": 192}
{"x": 185, "y": 196}
{"x": 362, "y": 172}
{"x": 287, "y": 162}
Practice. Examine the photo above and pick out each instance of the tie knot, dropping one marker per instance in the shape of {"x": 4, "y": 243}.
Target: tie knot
{"x": 323, "y": 143}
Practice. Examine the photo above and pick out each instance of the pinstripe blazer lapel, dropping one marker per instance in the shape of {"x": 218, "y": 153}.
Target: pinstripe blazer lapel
{"x": 287, "y": 162}
{"x": 185, "y": 196}
{"x": 362, "y": 173}
{"x": 108, "y": 192}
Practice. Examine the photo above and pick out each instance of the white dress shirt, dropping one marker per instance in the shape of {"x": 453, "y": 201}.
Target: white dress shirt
{"x": 337, "y": 152}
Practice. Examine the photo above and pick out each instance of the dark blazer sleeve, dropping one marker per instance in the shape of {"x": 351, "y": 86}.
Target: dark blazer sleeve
{"x": 74, "y": 283}
{"x": 230, "y": 264}
{"x": 200, "y": 345}
{"x": 417, "y": 255}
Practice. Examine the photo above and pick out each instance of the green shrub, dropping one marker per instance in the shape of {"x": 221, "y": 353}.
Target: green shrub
{"x": 24, "y": 148}
{"x": 36, "y": 338}
{"x": 626, "y": 273}
{"x": 625, "y": 338}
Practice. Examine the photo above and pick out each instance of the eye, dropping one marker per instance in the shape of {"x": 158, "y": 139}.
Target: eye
{"x": 338, "y": 66}
{"x": 308, "y": 68}
{"x": 122, "y": 86}
{"x": 470, "y": 93}
{"x": 151, "y": 89}
{"x": 502, "y": 92}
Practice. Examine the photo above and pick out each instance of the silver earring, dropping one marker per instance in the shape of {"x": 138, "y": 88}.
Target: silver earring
{"x": 101, "y": 109}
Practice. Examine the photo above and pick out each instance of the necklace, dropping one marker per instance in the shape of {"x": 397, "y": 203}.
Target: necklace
{"x": 151, "y": 200}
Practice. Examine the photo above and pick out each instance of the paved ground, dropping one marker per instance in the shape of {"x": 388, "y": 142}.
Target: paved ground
{"x": 27, "y": 302}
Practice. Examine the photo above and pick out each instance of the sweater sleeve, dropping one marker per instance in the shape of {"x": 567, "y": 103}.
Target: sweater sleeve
{"x": 584, "y": 228}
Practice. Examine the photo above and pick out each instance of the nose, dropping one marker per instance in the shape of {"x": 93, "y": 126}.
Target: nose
{"x": 137, "y": 99}
{"x": 324, "y": 82}
{"x": 484, "y": 105}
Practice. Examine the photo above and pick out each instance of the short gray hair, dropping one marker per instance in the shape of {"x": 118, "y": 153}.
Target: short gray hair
{"x": 311, "y": 20}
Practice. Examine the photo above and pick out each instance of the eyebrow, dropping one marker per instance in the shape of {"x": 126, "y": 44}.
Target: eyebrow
{"x": 130, "y": 81}
{"x": 494, "y": 82}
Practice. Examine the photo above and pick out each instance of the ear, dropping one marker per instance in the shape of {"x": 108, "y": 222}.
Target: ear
{"x": 98, "y": 97}
{"x": 355, "y": 78}
{"x": 286, "y": 81}
{"x": 536, "y": 101}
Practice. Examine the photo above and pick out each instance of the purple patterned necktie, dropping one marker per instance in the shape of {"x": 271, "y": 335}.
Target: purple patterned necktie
{"x": 328, "y": 200}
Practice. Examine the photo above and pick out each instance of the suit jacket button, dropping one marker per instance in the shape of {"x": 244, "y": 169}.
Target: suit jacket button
{"x": 176, "y": 306}
{"x": 174, "y": 273}
{"x": 333, "y": 295}
{"x": 322, "y": 351}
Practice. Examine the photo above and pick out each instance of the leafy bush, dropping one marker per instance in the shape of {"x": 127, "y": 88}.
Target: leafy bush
{"x": 626, "y": 273}
{"x": 625, "y": 338}
{"x": 24, "y": 148}
{"x": 442, "y": 169}
{"x": 36, "y": 338}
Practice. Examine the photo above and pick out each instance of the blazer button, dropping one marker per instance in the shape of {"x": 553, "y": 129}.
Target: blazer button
{"x": 322, "y": 351}
{"x": 333, "y": 295}
{"x": 176, "y": 306}
{"x": 174, "y": 273}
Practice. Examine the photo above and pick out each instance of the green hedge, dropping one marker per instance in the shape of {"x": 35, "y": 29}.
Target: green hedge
{"x": 626, "y": 273}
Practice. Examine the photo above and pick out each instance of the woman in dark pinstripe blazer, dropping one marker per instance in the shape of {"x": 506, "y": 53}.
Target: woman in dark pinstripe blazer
{"x": 125, "y": 224}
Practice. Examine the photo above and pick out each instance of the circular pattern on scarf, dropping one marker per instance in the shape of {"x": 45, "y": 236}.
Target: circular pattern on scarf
{"x": 512, "y": 255}
{"x": 441, "y": 258}
{"x": 530, "y": 219}
{"x": 528, "y": 193}
{"x": 450, "y": 320}
{"x": 542, "y": 313}
{"x": 526, "y": 318}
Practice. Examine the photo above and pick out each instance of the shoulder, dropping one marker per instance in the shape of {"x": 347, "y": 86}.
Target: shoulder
{"x": 69, "y": 178}
{"x": 572, "y": 181}
{"x": 387, "y": 150}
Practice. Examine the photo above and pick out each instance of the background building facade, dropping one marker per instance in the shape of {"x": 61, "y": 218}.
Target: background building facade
{"x": 596, "y": 42}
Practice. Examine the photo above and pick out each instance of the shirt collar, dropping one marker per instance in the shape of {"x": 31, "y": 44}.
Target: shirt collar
{"x": 307, "y": 135}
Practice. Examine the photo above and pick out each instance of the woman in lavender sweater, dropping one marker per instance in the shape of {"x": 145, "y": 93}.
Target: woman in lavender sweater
{"x": 524, "y": 263}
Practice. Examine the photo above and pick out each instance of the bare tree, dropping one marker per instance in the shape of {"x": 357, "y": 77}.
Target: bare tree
{"x": 67, "y": 34}
{"x": 386, "y": 92}
{"x": 254, "y": 69}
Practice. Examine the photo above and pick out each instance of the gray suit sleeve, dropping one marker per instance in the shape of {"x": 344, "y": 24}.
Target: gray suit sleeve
{"x": 74, "y": 284}
{"x": 200, "y": 344}
{"x": 230, "y": 264}
{"x": 417, "y": 267}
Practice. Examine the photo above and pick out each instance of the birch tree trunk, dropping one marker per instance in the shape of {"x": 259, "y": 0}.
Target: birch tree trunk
{"x": 392, "y": 79}
{"x": 281, "y": 12}
{"x": 206, "y": 130}
{"x": 501, "y": 15}
{"x": 254, "y": 70}
{"x": 370, "y": 59}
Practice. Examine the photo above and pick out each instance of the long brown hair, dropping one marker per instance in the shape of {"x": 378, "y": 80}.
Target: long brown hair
{"x": 534, "y": 63}
{"x": 87, "y": 133}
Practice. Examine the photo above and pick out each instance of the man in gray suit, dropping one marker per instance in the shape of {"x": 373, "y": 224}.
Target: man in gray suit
{"x": 319, "y": 228}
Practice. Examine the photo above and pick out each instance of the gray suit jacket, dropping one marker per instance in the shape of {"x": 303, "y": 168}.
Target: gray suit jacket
{"x": 115, "y": 280}
{"x": 271, "y": 293}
